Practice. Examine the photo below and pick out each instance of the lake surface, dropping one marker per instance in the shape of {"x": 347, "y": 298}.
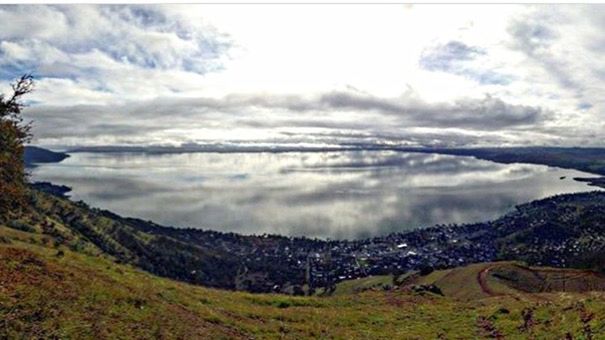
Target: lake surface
{"x": 350, "y": 194}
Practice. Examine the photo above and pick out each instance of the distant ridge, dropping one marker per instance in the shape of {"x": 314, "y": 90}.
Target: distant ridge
{"x": 34, "y": 155}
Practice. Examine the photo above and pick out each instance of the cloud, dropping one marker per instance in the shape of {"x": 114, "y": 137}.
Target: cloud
{"x": 144, "y": 36}
{"x": 443, "y": 57}
{"x": 487, "y": 113}
{"x": 334, "y": 111}
{"x": 536, "y": 40}
{"x": 188, "y": 73}
{"x": 84, "y": 54}
{"x": 458, "y": 58}
{"x": 563, "y": 46}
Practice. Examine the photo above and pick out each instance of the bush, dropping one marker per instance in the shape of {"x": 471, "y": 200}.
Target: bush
{"x": 426, "y": 270}
{"x": 77, "y": 246}
{"x": 21, "y": 226}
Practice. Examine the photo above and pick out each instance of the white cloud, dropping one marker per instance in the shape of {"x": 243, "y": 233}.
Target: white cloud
{"x": 447, "y": 71}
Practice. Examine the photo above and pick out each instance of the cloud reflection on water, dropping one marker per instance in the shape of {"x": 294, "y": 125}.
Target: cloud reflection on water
{"x": 324, "y": 194}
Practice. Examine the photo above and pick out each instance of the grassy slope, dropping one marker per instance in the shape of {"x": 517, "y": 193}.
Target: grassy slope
{"x": 510, "y": 278}
{"x": 359, "y": 285}
{"x": 80, "y": 295}
{"x": 78, "y": 226}
{"x": 57, "y": 282}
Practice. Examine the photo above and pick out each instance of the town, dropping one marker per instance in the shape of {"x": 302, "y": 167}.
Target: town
{"x": 561, "y": 231}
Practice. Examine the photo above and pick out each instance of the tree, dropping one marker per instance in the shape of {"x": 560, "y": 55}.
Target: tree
{"x": 14, "y": 133}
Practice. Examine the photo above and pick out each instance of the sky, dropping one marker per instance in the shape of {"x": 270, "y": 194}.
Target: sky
{"x": 414, "y": 75}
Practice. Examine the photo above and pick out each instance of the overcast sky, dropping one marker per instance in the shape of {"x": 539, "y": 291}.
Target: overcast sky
{"x": 322, "y": 74}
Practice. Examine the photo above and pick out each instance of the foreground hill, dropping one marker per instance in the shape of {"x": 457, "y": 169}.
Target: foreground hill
{"x": 54, "y": 292}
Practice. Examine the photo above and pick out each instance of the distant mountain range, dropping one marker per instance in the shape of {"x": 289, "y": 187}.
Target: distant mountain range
{"x": 34, "y": 155}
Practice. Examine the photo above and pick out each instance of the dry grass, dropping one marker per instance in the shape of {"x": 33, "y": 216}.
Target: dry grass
{"x": 81, "y": 296}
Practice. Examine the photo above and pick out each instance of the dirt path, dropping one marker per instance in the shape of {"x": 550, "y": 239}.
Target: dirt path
{"x": 482, "y": 280}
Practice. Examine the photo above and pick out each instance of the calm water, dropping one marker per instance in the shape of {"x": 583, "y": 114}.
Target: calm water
{"x": 324, "y": 194}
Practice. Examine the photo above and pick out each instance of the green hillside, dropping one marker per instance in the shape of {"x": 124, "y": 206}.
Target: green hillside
{"x": 81, "y": 228}
{"x": 56, "y": 290}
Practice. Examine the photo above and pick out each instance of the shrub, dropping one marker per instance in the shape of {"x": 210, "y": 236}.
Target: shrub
{"x": 21, "y": 226}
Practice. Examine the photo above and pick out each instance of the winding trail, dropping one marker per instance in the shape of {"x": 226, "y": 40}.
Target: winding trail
{"x": 546, "y": 278}
{"x": 482, "y": 280}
